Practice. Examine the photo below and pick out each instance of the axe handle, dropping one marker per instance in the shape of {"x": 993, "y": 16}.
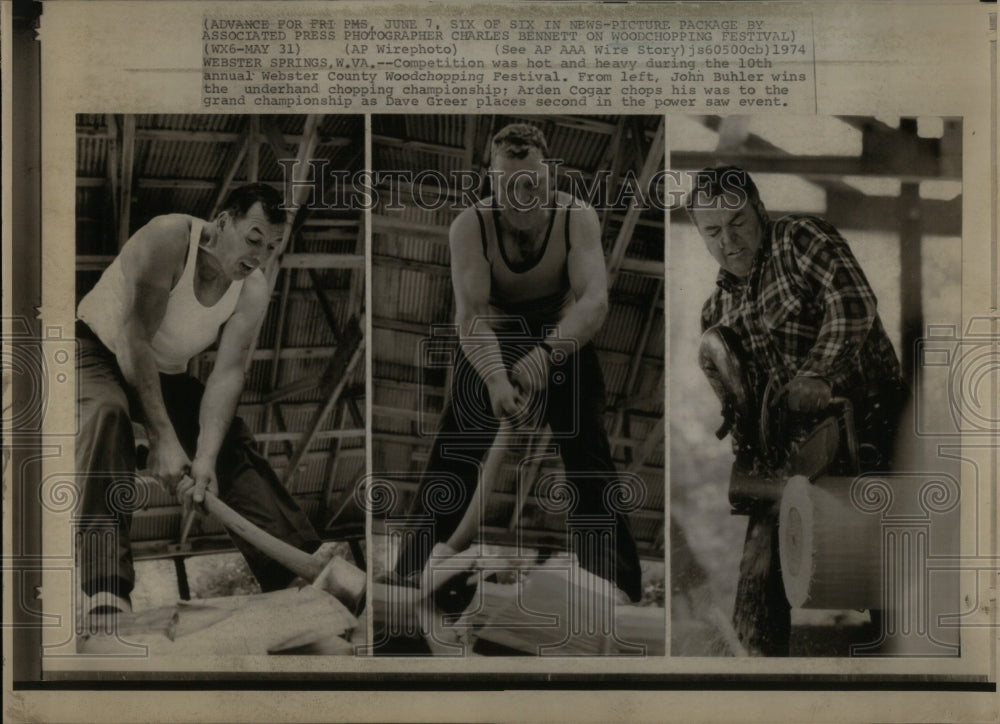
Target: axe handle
{"x": 298, "y": 562}
{"x": 469, "y": 525}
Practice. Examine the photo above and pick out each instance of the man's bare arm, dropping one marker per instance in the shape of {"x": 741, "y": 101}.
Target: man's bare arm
{"x": 583, "y": 318}
{"x": 225, "y": 383}
{"x": 150, "y": 261}
{"x": 470, "y": 279}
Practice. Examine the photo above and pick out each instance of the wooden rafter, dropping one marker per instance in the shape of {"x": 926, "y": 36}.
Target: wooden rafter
{"x": 636, "y": 362}
{"x": 653, "y": 438}
{"x": 112, "y": 172}
{"x": 235, "y": 164}
{"x": 253, "y": 149}
{"x": 127, "y": 171}
{"x": 653, "y": 163}
{"x": 610, "y": 160}
{"x": 332, "y": 383}
{"x": 306, "y": 148}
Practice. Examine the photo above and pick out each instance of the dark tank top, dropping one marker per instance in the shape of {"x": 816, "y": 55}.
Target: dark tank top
{"x": 537, "y": 290}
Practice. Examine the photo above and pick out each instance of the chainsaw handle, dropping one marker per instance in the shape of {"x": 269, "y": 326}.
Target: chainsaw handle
{"x": 841, "y": 406}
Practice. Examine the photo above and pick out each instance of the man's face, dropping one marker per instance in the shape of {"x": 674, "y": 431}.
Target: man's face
{"x": 523, "y": 190}
{"x": 246, "y": 243}
{"x": 732, "y": 236}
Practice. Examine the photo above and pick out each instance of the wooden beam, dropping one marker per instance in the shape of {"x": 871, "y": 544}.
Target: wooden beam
{"x": 911, "y": 272}
{"x": 332, "y": 383}
{"x": 385, "y": 224}
{"x": 323, "y": 261}
{"x": 275, "y": 139}
{"x": 653, "y": 163}
{"x": 426, "y": 146}
{"x": 653, "y": 439}
{"x": 333, "y": 463}
{"x": 253, "y": 139}
{"x": 612, "y": 158}
{"x": 339, "y": 434}
{"x": 816, "y": 167}
{"x": 853, "y": 210}
{"x": 580, "y": 123}
{"x": 127, "y": 171}
{"x": 306, "y": 148}
{"x": 324, "y": 304}
{"x": 275, "y": 354}
{"x": 469, "y": 142}
{"x": 636, "y": 362}
{"x": 181, "y": 136}
{"x": 112, "y": 173}
{"x": 395, "y": 262}
{"x": 234, "y": 166}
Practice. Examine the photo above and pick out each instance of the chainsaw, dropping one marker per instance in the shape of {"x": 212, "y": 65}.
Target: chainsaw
{"x": 770, "y": 442}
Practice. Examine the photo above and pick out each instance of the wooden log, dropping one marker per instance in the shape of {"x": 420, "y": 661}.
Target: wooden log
{"x": 830, "y": 551}
{"x": 343, "y": 580}
{"x": 236, "y": 625}
{"x": 761, "y": 614}
{"x": 563, "y": 610}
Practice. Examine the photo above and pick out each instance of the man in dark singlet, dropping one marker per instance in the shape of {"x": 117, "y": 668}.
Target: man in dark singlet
{"x": 164, "y": 298}
{"x": 531, "y": 293}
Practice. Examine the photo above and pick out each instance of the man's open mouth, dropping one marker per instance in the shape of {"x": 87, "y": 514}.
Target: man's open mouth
{"x": 247, "y": 267}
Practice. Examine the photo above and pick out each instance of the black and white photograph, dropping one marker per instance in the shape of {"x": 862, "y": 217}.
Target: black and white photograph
{"x": 220, "y": 385}
{"x": 530, "y": 361}
{"x": 812, "y": 263}
{"x": 517, "y": 373}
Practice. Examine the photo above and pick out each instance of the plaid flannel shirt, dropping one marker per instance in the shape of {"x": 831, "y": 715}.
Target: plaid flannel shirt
{"x": 805, "y": 309}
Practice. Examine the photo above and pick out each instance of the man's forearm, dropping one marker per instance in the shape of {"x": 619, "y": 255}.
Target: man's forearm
{"x": 138, "y": 366}
{"x": 218, "y": 405}
{"x": 481, "y": 348}
{"x": 580, "y": 323}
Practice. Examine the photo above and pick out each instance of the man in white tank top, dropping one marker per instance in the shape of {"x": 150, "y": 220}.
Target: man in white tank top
{"x": 175, "y": 284}
{"x": 533, "y": 255}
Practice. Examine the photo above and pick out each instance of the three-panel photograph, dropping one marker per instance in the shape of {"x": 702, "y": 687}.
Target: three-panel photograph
{"x": 480, "y": 386}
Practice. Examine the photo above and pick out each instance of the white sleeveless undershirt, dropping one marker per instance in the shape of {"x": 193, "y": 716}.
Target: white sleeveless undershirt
{"x": 188, "y": 327}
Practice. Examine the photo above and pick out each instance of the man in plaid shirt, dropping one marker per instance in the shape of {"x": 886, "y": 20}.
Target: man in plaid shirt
{"x": 806, "y": 319}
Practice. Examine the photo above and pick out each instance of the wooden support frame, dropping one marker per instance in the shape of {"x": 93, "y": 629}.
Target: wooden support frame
{"x": 653, "y": 163}
{"x": 306, "y": 148}
{"x": 222, "y": 190}
{"x": 636, "y": 363}
{"x": 332, "y": 384}
{"x": 112, "y": 173}
{"x": 127, "y": 171}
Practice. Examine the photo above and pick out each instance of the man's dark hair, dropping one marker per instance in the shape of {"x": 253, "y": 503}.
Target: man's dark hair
{"x": 241, "y": 199}
{"x": 727, "y": 187}
{"x": 516, "y": 141}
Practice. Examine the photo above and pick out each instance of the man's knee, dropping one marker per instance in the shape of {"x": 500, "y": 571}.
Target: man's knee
{"x": 106, "y": 421}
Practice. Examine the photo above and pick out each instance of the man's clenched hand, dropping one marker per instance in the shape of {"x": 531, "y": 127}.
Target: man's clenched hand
{"x": 191, "y": 491}
{"x": 530, "y": 374}
{"x": 808, "y": 394}
{"x": 504, "y": 399}
{"x": 168, "y": 462}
